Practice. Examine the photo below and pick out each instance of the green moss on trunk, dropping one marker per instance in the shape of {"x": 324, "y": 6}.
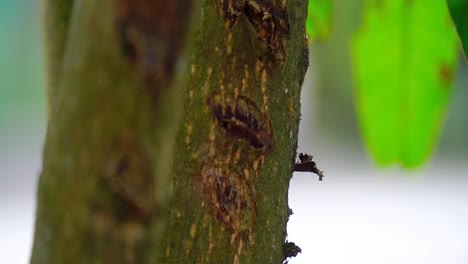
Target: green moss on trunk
{"x": 102, "y": 195}
{"x": 237, "y": 144}
{"x": 103, "y": 191}
{"x": 57, "y": 15}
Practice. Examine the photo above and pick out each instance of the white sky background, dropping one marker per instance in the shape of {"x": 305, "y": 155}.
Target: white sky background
{"x": 364, "y": 215}
{"x": 20, "y": 163}
{"x": 357, "y": 216}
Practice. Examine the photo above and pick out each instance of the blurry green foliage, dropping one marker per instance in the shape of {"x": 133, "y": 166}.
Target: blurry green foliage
{"x": 319, "y": 19}
{"x": 459, "y": 11}
{"x": 404, "y": 57}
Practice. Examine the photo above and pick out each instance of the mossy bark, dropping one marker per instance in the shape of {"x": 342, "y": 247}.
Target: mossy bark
{"x": 57, "y": 15}
{"x": 102, "y": 194}
{"x": 236, "y": 147}
{"x": 103, "y": 191}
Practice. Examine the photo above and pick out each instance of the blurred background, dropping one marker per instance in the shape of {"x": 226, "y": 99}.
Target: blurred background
{"x": 357, "y": 214}
{"x": 22, "y": 124}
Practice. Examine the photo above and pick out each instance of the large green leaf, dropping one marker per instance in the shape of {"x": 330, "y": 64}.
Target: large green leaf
{"x": 459, "y": 11}
{"x": 319, "y": 19}
{"x": 404, "y": 57}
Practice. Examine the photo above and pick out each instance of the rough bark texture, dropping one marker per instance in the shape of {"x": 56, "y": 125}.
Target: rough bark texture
{"x": 236, "y": 147}
{"x": 103, "y": 192}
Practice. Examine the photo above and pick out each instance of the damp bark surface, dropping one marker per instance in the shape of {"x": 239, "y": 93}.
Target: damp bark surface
{"x": 236, "y": 146}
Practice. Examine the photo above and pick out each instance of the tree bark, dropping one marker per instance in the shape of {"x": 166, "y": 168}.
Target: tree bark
{"x": 116, "y": 93}
{"x": 103, "y": 191}
{"x": 237, "y": 145}
{"x": 57, "y": 15}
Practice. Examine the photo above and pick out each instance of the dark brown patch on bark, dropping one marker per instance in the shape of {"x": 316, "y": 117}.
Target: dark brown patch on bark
{"x": 267, "y": 17}
{"x": 242, "y": 119}
{"x": 229, "y": 195}
{"x": 152, "y": 34}
{"x": 243, "y": 139}
{"x": 128, "y": 175}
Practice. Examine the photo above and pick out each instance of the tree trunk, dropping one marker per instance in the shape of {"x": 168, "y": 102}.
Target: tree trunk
{"x": 57, "y": 15}
{"x": 103, "y": 191}
{"x": 114, "y": 91}
{"x": 236, "y": 146}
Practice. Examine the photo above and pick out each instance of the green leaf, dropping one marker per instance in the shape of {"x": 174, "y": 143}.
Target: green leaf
{"x": 319, "y": 19}
{"x": 403, "y": 57}
{"x": 459, "y": 11}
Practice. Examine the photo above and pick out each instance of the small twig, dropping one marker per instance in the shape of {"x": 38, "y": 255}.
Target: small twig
{"x": 307, "y": 164}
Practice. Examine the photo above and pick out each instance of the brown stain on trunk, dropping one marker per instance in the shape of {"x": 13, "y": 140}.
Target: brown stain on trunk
{"x": 152, "y": 35}
{"x": 267, "y": 17}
